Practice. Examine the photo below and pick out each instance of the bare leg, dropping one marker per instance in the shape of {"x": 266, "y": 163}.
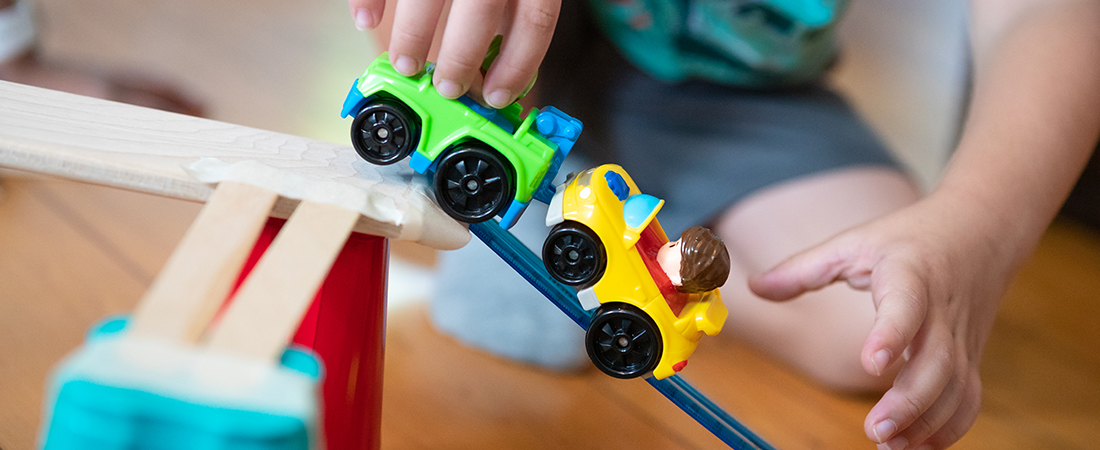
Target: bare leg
{"x": 822, "y": 332}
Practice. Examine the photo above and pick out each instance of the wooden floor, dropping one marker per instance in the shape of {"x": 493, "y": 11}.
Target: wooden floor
{"x": 71, "y": 254}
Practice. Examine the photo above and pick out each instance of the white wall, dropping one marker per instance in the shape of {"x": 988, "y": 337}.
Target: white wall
{"x": 903, "y": 66}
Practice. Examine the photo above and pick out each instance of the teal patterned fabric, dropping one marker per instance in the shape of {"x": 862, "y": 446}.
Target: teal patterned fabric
{"x": 751, "y": 43}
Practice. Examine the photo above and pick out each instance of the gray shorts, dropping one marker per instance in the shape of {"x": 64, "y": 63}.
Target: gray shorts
{"x": 701, "y": 147}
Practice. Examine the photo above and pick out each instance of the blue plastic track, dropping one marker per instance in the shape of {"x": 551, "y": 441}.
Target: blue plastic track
{"x": 676, "y": 389}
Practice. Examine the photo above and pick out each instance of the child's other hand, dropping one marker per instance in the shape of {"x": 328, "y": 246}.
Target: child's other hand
{"x": 936, "y": 271}
{"x": 527, "y": 26}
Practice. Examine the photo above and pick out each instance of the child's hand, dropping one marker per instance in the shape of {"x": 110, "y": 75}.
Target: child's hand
{"x": 936, "y": 271}
{"x": 527, "y": 26}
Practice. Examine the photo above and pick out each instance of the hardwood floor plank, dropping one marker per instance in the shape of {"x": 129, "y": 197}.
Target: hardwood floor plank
{"x": 140, "y": 229}
{"x": 439, "y": 394}
{"x": 54, "y": 284}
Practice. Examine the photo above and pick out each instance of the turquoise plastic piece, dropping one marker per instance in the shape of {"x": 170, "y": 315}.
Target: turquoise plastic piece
{"x": 759, "y": 43}
{"x": 638, "y": 209}
{"x": 511, "y": 215}
{"x": 559, "y": 127}
{"x": 493, "y": 115}
{"x": 98, "y": 401}
{"x": 353, "y": 102}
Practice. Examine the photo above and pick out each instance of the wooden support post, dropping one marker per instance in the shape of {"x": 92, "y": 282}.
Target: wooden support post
{"x": 345, "y": 326}
{"x": 188, "y": 290}
{"x": 277, "y": 293}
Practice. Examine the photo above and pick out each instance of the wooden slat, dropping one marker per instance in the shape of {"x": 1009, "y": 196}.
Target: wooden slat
{"x": 146, "y": 150}
{"x": 200, "y": 273}
{"x": 270, "y": 304}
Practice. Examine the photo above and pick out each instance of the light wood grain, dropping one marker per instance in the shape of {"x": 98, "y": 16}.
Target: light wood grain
{"x": 141, "y": 149}
{"x": 55, "y": 282}
{"x": 200, "y": 273}
{"x": 270, "y": 304}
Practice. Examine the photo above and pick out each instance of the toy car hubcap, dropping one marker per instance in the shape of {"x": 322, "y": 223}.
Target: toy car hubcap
{"x": 573, "y": 254}
{"x": 622, "y": 342}
{"x": 384, "y": 132}
{"x": 474, "y": 185}
{"x": 471, "y": 184}
{"x": 575, "y": 257}
{"x": 387, "y": 135}
{"x": 381, "y": 134}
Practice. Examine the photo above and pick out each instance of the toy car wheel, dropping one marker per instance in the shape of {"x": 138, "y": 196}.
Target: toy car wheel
{"x": 473, "y": 184}
{"x": 574, "y": 255}
{"x": 385, "y": 131}
{"x": 623, "y": 341}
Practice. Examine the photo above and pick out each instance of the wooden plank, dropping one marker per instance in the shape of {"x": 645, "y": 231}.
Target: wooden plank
{"x": 146, "y": 150}
{"x": 270, "y": 304}
{"x": 201, "y": 271}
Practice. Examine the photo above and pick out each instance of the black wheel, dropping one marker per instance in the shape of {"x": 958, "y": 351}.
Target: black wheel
{"x": 385, "y": 131}
{"x": 574, "y": 255}
{"x": 623, "y": 341}
{"x": 473, "y": 184}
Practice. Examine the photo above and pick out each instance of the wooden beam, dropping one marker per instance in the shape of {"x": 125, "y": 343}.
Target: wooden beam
{"x": 146, "y": 150}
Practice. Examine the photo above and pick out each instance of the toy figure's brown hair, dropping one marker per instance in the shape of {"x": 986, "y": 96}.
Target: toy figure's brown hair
{"x": 705, "y": 263}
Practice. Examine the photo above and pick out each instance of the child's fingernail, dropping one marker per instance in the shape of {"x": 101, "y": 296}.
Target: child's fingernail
{"x": 405, "y": 65}
{"x": 363, "y": 20}
{"x": 449, "y": 89}
{"x": 883, "y": 430}
{"x": 881, "y": 359}
{"x": 898, "y": 443}
{"x": 499, "y": 98}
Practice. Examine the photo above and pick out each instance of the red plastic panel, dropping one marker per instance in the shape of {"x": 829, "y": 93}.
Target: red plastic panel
{"x": 345, "y": 326}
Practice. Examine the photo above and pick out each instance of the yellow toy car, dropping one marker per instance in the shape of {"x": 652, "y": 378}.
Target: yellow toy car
{"x": 604, "y": 242}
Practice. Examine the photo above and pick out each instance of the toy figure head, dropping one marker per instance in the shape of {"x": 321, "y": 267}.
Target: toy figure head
{"x": 701, "y": 264}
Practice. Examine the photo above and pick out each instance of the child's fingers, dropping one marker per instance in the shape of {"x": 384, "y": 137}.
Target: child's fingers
{"x": 366, "y": 13}
{"x": 925, "y": 394}
{"x": 901, "y": 305}
{"x": 414, "y": 23}
{"x": 525, "y": 44}
{"x": 934, "y": 418}
{"x": 963, "y": 418}
{"x": 812, "y": 269}
{"x": 465, "y": 41}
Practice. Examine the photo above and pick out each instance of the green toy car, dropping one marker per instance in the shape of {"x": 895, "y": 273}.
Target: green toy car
{"x": 485, "y": 162}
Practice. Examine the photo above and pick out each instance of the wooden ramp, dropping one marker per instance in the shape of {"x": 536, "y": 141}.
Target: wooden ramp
{"x": 145, "y": 150}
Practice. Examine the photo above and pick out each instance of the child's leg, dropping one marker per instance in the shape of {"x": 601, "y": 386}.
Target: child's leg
{"x": 822, "y": 332}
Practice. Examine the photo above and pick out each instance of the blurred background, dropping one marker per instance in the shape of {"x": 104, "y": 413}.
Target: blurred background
{"x": 70, "y": 254}
{"x": 285, "y": 65}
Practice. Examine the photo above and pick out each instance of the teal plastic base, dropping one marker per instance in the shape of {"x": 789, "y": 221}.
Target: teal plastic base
{"x": 116, "y": 393}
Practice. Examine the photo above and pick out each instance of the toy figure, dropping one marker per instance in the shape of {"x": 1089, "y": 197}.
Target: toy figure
{"x": 606, "y": 243}
{"x": 697, "y": 262}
